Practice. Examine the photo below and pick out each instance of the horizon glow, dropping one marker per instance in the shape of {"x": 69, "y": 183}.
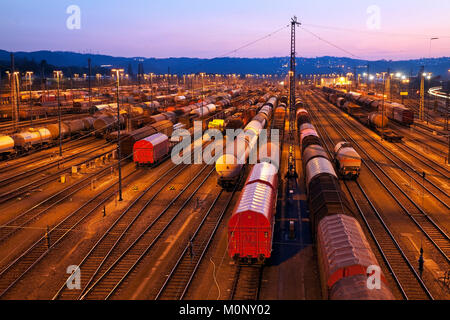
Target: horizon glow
{"x": 207, "y": 29}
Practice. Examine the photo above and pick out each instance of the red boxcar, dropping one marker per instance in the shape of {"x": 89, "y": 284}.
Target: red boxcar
{"x": 250, "y": 229}
{"x": 344, "y": 256}
{"x": 151, "y": 150}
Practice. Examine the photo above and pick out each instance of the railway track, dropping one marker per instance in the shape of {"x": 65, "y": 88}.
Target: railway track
{"x": 396, "y": 260}
{"x": 247, "y": 282}
{"x": 20, "y": 266}
{"x": 30, "y": 185}
{"x": 422, "y": 137}
{"x": 32, "y": 159}
{"x": 438, "y": 192}
{"x": 116, "y": 241}
{"x": 107, "y": 283}
{"x": 432, "y": 231}
{"x": 20, "y": 173}
{"x": 183, "y": 272}
{"x": 106, "y": 249}
{"x": 20, "y": 221}
{"x": 432, "y": 165}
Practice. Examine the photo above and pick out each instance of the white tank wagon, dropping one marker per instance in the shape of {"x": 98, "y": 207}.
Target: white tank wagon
{"x": 229, "y": 166}
{"x": 6, "y": 146}
{"x": 204, "y": 111}
{"x": 29, "y": 139}
{"x": 348, "y": 161}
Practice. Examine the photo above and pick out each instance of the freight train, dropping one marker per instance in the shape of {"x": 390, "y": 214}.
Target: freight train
{"x": 251, "y": 226}
{"x": 394, "y": 111}
{"x": 102, "y": 124}
{"x": 229, "y": 165}
{"x": 366, "y": 110}
{"x": 46, "y": 136}
{"x": 344, "y": 254}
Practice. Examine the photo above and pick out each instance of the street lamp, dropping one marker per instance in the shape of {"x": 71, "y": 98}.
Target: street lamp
{"x": 151, "y": 86}
{"x": 118, "y": 72}
{"x": 58, "y": 75}
{"x": 28, "y": 76}
{"x": 203, "y": 97}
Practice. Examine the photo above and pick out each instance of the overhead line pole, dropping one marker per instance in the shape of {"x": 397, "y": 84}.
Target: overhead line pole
{"x": 291, "y": 168}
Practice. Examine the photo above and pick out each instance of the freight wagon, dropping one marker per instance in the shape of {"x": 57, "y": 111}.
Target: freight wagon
{"x": 343, "y": 252}
{"x": 251, "y": 226}
{"x": 348, "y": 161}
{"x": 151, "y": 150}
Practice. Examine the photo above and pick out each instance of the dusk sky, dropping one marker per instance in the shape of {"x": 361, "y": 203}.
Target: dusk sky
{"x": 374, "y": 29}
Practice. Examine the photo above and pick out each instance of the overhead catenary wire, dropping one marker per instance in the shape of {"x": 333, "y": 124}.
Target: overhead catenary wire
{"x": 377, "y": 32}
{"x": 330, "y": 43}
{"x": 234, "y": 51}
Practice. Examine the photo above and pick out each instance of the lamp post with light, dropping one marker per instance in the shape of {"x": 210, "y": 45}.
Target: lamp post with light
{"x": 58, "y": 75}
{"x": 117, "y": 73}
{"x": 28, "y": 76}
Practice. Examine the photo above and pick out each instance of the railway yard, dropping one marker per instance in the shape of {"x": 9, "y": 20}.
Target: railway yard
{"x": 85, "y": 216}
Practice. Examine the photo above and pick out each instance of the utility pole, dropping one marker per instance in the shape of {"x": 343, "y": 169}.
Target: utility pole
{"x": 14, "y": 100}
{"x": 292, "y": 172}
{"x": 388, "y": 85}
{"x": 117, "y": 72}
{"x": 151, "y": 86}
{"x": 168, "y": 76}
{"x": 422, "y": 89}
{"x": 203, "y": 97}
{"x": 28, "y": 74}
{"x": 58, "y": 75}
{"x": 368, "y": 78}
{"x": 447, "y": 104}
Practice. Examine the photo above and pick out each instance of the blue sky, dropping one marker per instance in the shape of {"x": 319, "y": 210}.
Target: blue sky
{"x": 199, "y": 28}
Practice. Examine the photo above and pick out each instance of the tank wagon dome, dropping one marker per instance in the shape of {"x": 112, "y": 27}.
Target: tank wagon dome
{"x": 341, "y": 144}
{"x": 346, "y": 149}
